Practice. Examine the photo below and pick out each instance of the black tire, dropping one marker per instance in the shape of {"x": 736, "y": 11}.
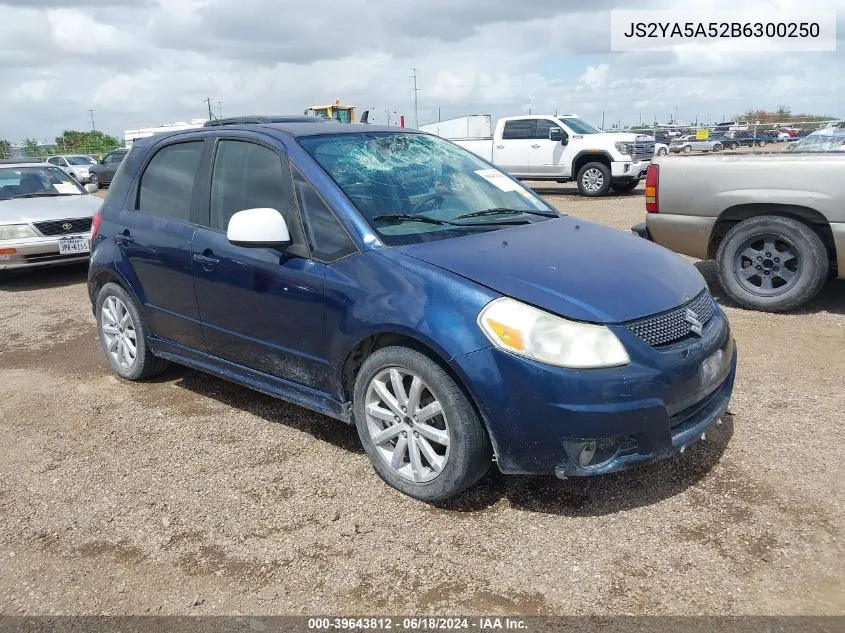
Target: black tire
{"x": 470, "y": 452}
{"x": 625, "y": 186}
{"x": 812, "y": 263}
{"x": 145, "y": 364}
{"x": 686, "y": 149}
{"x": 662, "y": 151}
{"x": 588, "y": 176}
{"x": 717, "y": 147}
{"x": 94, "y": 179}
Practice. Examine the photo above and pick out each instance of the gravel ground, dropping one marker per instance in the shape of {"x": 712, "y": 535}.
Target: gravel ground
{"x": 190, "y": 495}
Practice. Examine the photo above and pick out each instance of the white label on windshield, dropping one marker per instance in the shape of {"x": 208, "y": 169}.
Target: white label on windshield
{"x": 498, "y": 179}
{"x": 65, "y": 187}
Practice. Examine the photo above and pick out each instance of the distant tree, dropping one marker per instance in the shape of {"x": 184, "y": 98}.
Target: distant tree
{"x": 29, "y": 147}
{"x": 5, "y": 148}
{"x": 91, "y": 142}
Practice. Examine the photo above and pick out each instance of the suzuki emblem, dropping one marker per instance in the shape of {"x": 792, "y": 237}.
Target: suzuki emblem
{"x": 67, "y": 226}
{"x": 695, "y": 324}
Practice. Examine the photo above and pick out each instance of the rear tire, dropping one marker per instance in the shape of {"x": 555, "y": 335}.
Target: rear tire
{"x": 626, "y": 186}
{"x": 687, "y": 149}
{"x": 412, "y": 456}
{"x": 594, "y": 180}
{"x": 772, "y": 263}
{"x": 123, "y": 336}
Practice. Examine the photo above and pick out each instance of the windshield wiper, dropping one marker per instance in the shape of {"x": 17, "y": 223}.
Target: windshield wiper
{"x": 41, "y": 194}
{"x": 504, "y": 211}
{"x": 407, "y": 217}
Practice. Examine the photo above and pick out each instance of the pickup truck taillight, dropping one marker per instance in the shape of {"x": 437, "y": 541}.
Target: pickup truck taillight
{"x": 652, "y": 177}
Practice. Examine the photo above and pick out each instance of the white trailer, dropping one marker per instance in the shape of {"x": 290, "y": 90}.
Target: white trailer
{"x": 133, "y": 135}
{"x": 472, "y": 126}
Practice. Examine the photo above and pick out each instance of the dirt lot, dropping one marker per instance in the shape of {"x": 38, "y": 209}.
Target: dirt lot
{"x": 192, "y": 495}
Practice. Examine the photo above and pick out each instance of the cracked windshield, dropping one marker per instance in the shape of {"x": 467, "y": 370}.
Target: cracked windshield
{"x": 413, "y": 188}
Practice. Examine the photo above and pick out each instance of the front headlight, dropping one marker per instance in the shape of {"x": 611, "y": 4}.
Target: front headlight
{"x": 16, "y": 232}
{"x": 625, "y": 149}
{"x": 547, "y": 338}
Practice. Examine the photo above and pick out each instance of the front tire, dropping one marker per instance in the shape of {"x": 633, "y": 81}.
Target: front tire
{"x": 594, "y": 180}
{"x": 417, "y": 426}
{"x": 717, "y": 147}
{"x": 772, "y": 263}
{"x": 661, "y": 151}
{"x": 122, "y": 335}
{"x": 687, "y": 149}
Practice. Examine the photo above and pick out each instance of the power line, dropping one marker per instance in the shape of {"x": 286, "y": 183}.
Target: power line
{"x": 416, "y": 100}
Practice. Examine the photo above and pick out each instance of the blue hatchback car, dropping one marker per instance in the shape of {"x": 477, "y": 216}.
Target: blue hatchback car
{"x": 395, "y": 281}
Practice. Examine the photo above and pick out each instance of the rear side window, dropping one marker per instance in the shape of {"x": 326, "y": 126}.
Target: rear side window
{"x": 120, "y": 183}
{"x": 250, "y": 176}
{"x": 167, "y": 185}
{"x": 326, "y": 237}
{"x": 523, "y": 128}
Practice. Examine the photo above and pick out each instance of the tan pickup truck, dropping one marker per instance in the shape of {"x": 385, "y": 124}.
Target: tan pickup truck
{"x": 774, "y": 223}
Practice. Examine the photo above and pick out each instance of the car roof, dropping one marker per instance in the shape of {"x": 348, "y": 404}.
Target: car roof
{"x": 259, "y": 118}
{"x": 22, "y": 162}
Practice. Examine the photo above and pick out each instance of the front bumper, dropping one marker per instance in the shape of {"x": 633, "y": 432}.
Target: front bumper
{"x": 40, "y": 251}
{"x": 628, "y": 170}
{"x": 651, "y": 409}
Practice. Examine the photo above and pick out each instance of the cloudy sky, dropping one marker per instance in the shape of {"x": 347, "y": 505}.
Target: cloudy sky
{"x": 147, "y": 62}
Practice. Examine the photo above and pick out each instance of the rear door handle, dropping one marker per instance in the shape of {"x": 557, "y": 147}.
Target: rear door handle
{"x": 206, "y": 260}
{"x": 124, "y": 238}
{"x": 500, "y": 147}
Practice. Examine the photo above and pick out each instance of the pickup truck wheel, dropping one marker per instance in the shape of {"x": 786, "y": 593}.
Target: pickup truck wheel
{"x": 625, "y": 186}
{"x": 418, "y": 428}
{"x": 594, "y": 179}
{"x": 772, "y": 263}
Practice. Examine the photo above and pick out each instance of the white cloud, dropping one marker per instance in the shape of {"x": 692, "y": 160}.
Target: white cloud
{"x": 147, "y": 63}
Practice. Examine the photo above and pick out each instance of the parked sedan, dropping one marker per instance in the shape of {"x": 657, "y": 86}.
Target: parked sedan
{"x": 689, "y": 143}
{"x": 103, "y": 172}
{"x": 77, "y": 165}
{"x": 45, "y": 216}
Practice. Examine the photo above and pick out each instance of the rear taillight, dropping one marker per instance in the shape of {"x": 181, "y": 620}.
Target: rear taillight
{"x": 652, "y": 177}
{"x": 95, "y": 225}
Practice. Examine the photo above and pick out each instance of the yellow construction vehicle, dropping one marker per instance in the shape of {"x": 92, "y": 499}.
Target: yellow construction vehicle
{"x": 342, "y": 113}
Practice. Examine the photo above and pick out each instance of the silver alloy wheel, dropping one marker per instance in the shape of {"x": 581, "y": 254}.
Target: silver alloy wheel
{"x": 592, "y": 180}
{"x": 119, "y": 332}
{"x": 407, "y": 425}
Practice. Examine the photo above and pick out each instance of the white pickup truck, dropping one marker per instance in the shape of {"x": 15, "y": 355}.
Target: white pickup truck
{"x": 559, "y": 148}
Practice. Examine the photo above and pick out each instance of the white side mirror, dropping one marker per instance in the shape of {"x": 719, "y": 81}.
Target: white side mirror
{"x": 92, "y": 187}
{"x": 258, "y": 227}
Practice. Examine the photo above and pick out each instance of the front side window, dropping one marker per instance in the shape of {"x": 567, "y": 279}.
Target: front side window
{"x": 36, "y": 181}
{"x": 544, "y": 126}
{"x": 414, "y": 188}
{"x": 167, "y": 185}
{"x": 327, "y": 239}
{"x": 580, "y": 127}
{"x": 250, "y": 176}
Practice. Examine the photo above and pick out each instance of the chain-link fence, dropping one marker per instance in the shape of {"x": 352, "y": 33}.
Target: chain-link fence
{"x": 731, "y": 136}
{"x": 43, "y": 151}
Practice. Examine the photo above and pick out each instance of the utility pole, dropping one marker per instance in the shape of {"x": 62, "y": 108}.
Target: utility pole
{"x": 220, "y": 109}
{"x": 602, "y": 119}
{"x": 93, "y": 127}
{"x": 416, "y": 100}
{"x": 438, "y": 114}
{"x": 210, "y": 112}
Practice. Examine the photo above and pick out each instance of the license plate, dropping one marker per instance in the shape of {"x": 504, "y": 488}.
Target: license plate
{"x": 76, "y": 245}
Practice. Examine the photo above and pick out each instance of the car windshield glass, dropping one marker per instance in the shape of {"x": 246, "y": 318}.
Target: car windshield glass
{"x": 827, "y": 139}
{"x": 35, "y": 181}
{"x": 580, "y": 127}
{"x": 81, "y": 160}
{"x": 394, "y": 177}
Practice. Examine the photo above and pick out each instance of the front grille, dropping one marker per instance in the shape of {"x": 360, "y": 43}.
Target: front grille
{"x": 64, "y": 227}
{"x": 643, "y": 150}
{"x": 673, "y": 326}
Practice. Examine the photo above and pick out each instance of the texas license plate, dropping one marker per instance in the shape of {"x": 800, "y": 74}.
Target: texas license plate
{"x": 76, "y": 245}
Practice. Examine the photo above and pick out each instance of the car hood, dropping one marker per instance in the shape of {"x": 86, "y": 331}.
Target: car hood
{"x": 570, "y": 267}
{"x": 25, "y": 210}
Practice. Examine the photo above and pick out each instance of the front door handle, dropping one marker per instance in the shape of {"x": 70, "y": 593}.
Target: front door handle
{"x": 206, "y": 259}
{"x": 536, "y": 146}
{"x": 500, "y": 147}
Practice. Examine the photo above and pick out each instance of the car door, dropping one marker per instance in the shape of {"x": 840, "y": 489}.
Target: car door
{"x": 512, "y": 151}
{"x": 547, "y": 157}
{"x": 154, "y": 231}
{"x": 262, "y": 308}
